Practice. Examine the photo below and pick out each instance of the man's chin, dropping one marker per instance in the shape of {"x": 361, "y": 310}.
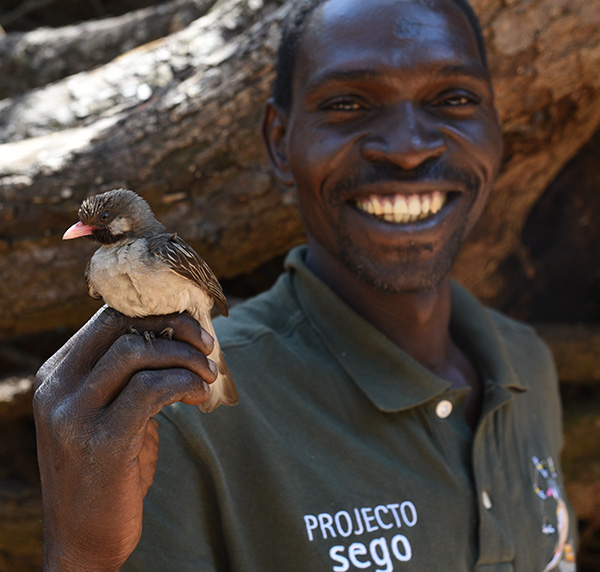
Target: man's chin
{"x": 405, "y": 276}
{"x": 410, "y": 283}
{"x": 408, "y": 269}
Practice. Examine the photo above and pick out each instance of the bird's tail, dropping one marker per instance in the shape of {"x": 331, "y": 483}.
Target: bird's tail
{"x": 222, "y": 390}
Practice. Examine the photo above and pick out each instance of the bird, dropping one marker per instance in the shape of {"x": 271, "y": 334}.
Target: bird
{"x": 141, "y": 269}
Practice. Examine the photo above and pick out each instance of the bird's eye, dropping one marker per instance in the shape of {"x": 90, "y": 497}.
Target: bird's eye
{"x": 104, "y": 217}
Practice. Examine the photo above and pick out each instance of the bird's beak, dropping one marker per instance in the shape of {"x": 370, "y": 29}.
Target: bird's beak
{"x": 78, "y": 229}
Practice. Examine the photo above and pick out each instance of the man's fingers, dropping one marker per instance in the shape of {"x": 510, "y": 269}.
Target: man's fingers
{"x": 148, "y": 455}
{"x": 184, "y": 327}
{"x": 79, "y": 340}
{"x": 131, "y": 354}
{"x": 85, "y": 349}
{"x": 149, "y": 391}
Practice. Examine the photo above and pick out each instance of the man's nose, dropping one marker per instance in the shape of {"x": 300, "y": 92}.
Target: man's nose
{"x": 405, "y": 135}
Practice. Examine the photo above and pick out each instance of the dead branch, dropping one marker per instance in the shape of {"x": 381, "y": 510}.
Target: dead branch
{"x": 37, "y": 58}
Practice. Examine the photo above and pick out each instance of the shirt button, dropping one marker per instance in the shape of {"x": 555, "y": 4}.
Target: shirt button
{"x": 486, "y": 500}
{"x": 443, "y": 408}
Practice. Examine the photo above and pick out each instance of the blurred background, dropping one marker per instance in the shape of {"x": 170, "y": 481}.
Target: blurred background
{"x": 166, "y": 98}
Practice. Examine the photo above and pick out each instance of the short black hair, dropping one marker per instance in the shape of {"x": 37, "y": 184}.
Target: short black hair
{"x": 293, "y": 28}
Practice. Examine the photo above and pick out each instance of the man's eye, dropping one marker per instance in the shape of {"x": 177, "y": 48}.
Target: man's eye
{"x": 344, "y": 105}
{"x": 459, "y": 100}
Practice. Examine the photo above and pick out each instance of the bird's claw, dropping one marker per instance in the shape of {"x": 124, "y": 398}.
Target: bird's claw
{"x": 167, "y": 333}
{"x": 148, "y": 336}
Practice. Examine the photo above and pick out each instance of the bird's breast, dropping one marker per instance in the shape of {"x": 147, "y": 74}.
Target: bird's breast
{"x": 136, "y": 284}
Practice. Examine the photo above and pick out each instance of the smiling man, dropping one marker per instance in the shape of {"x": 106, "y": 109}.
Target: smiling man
{"x": 386, "y": 420}
{"x": 398, "y": 124}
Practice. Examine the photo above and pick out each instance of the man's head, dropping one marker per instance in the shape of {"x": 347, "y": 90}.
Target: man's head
{"x": 390, "y": 136}
{"x": 293, "y": 28}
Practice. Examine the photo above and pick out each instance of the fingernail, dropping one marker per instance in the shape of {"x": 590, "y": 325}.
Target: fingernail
{"x": 207, "y": 339}
{"x": 213, "y": 367}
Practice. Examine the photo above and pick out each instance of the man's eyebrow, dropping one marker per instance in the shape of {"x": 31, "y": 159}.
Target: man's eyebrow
{"x": 343, "y": 76}
{"x": 475, "y": 71}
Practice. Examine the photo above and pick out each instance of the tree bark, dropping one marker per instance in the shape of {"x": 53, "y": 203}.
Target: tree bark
{"x": 576, "y": 351}
{"x": 545, "y": 62}
{"x": 178, "y": 121}
{"x": 34, "y": 59}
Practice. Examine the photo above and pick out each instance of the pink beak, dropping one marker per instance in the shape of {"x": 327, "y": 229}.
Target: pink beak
{"x": 77, "y": 230}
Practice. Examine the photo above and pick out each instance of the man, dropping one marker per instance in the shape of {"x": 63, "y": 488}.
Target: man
{"x": 387, "y": 421}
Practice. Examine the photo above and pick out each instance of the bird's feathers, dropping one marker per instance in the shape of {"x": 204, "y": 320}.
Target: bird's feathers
{"x": 225, "y": 391}
{"x": 141, "y": 270}
{"x": 90, "y": 287}
{"x": 185, "y": 261}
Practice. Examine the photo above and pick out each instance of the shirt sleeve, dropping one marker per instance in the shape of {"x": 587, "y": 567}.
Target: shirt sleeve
{"x": 181, "y": 527}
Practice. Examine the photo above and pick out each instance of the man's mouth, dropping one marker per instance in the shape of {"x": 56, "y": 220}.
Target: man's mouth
{"x": 403, "y": 209}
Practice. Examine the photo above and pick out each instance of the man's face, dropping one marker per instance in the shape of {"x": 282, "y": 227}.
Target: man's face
{"x": 392, "y": 139}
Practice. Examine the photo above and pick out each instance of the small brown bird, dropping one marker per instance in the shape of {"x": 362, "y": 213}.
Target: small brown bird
{"x": 141, "y": 270}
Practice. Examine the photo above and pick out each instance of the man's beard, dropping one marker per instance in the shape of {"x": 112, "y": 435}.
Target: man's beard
{"x": 413, "y": 270}
{"x": 406, "y": 276}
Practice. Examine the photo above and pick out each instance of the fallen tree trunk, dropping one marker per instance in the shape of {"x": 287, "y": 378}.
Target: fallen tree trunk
{"x": 545, "y": 62}
{"x": 37, "y": 58}
{"x": 576, "y": 350}
{"x": 187, "y": 139}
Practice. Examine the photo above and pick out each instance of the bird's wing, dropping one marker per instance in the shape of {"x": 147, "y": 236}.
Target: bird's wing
{"x": 91, "y": 290}
{"x": 185, "y": 261}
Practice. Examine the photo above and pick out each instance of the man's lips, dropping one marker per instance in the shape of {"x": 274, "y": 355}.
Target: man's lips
{"x": 78, "y": 229}
{"x": 403, "y": 209}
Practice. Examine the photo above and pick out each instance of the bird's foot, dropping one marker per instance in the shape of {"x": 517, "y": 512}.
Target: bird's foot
{"x": 167, "y": 333}
{"x": 148, "y": 336}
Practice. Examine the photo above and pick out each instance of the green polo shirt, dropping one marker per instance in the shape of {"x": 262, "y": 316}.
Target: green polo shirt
{"x": 346, "y": 454}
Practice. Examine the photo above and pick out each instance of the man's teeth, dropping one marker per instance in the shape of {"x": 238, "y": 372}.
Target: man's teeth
{"x": 402, "y": 208}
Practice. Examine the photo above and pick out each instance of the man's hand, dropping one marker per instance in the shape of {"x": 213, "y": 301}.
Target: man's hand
{"x": 97, "y": 439}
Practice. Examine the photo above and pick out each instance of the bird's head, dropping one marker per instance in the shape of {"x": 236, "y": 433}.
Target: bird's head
{"x": 114, "y": 216}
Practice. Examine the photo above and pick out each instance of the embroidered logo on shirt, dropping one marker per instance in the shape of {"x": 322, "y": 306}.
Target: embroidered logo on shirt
{"x": 546, "y": 485}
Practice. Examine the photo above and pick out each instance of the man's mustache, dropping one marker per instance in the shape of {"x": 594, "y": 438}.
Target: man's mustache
{"x": 430, "y": 171}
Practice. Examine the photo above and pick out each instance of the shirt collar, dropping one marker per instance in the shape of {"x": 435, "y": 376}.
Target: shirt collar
{"x": 474, "y": 329}
{"x": 388, "y": 376}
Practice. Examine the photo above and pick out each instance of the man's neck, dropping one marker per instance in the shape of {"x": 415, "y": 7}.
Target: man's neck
{"x": 417, "y": 322}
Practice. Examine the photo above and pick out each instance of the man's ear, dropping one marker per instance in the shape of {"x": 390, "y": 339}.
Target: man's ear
{"x": 274, "y": 126}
